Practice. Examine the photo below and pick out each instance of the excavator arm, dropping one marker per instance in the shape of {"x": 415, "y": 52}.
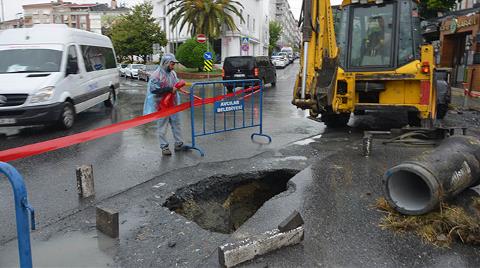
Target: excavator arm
{"x": 319, "y": 57}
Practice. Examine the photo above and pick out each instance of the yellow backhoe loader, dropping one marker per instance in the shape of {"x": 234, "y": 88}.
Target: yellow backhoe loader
{"x": 376, "y": 61}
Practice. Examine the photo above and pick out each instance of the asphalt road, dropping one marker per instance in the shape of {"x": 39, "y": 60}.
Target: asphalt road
{"x": 126, "y": 159}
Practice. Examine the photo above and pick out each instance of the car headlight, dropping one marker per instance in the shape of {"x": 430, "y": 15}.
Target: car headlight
{"x": 42, "y": 95}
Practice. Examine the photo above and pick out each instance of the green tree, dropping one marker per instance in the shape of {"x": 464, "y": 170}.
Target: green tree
{"x": 107, "y": 22}
{"x": 430, "y": 8}
{"x": 206, "y": 16}
{"x": 135, "y": 33}
{"x": 190, "y": 54}
{"x": 275, "y": 30}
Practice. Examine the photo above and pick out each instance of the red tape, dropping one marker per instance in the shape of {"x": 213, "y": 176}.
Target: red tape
{"x": 55, "y": 144}
{"x": 471, "y": 93}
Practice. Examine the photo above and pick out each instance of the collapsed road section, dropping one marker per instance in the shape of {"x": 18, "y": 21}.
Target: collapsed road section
{"x": 223, "y": 203}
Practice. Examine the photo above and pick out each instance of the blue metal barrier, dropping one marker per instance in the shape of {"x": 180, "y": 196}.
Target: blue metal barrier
{"x": 22, "y": 210}
{"x": 240, "y": 109}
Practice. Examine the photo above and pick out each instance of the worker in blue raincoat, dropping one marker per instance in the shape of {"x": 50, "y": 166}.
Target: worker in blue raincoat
{"x": 161, "y": 82}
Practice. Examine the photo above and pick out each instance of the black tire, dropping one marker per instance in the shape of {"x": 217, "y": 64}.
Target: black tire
{"x": 112, "y": 99}
{"x": 442, "y": 110}
{"x": 312, "y": 113}
{"x": 67, "y": 116}
{"x": 333, "y": 120}
{"x": 414, "y": 119}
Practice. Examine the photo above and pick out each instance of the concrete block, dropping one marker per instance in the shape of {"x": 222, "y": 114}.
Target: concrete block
{"x": 293, "y": 221}
{"x": 233, "y": 254}
{"x": 85, "y": 183}
{"x": 107, "y": 222}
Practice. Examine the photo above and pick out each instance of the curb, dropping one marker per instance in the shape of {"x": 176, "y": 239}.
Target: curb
{"x": 182, "y": 75}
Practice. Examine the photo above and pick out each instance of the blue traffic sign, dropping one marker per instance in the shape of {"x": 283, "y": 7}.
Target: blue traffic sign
{"x": 208, "y": 55}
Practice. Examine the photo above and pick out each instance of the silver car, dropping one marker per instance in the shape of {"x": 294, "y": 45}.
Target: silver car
{"x": 132, "y": 70}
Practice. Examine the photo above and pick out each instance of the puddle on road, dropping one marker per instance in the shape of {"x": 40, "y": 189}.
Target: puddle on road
{"x": 292, "y": 158}
{"x": 73, "y": 249}
{"x": 307, "y": 141}
{"x": 223, "y": 203}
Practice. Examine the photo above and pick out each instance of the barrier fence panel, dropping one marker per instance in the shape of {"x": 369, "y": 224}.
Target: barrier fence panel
{"x": 226, "y": 106}
{"x": 22, "y": 211}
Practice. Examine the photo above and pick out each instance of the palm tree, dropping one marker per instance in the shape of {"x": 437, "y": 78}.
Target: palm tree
{"x": 204, "y": 16}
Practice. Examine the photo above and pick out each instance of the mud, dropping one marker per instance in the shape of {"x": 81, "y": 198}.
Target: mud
{"x": 223, "y": 203}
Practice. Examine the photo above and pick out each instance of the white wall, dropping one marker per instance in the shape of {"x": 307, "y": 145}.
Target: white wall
{"x": 174, "y": 35}
{"x": 256, "y": 14}
{"x": 95, "y": 23}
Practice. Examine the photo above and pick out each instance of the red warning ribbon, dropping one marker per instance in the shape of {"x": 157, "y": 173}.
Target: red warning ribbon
{"x": 471, "y": 93}
{"x": 55, "y": 144}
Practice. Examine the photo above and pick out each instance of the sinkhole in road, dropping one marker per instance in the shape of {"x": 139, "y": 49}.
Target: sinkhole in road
{"x": 223, "y": 203}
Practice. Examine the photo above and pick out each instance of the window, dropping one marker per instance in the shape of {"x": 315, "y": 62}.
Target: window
{"x": 72, "y": 60}
{"x": 405, "y": 41}
{"x": 341, "y": 29}
{"x": 372, "y": 36}
{"x": 30, "y": 60}
{"x": 98, "y": 58}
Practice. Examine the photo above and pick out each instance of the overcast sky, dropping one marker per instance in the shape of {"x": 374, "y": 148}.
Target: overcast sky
{"x": 12, "y": 7}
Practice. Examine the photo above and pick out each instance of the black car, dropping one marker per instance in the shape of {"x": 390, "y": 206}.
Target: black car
{"x": 248, "y": 67}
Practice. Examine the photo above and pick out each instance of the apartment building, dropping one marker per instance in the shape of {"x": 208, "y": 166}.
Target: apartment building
{"x": 251, "y": 38}
{"x": 81, "y": 16}
{"x": 282, "y": 13}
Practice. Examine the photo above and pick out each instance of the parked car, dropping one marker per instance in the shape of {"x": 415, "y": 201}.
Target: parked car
{"x": 49, "y": 73}
{"x": 249, "y": 67}
{"x": 279, "y": 61}
{"x": 144, "y": 73}
{"x": 121, "y": 69}
{"x": 132, "y": 70}
{"x": 285, "y": 56}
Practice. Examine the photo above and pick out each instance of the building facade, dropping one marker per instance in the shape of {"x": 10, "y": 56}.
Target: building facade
{"x": 251, "y": 38}
{"x": 175, "y": 37}
{"x": 282, "y": 13}
{"x": 81, "y": 16}
{"x": 460, "y": 48}
{"x": 11, "y": 24}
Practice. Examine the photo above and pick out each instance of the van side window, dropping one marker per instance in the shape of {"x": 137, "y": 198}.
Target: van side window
{"x": 98, "y": 58}
{"x": 72, "y": 60}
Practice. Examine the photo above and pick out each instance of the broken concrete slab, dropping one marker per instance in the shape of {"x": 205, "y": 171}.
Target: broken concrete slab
{"x": 85, "y": 183}
{"x": 107, "y": 221}
{"x": 232, "y": 254}
{"x": 293, "y": 221}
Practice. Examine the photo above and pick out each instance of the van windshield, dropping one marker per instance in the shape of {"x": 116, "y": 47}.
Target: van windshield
{"x": 30, "y": 60}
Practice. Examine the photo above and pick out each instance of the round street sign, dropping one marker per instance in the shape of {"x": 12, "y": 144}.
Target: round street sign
{"x": 201, "y": 38}
{"x": 208, "y": 55}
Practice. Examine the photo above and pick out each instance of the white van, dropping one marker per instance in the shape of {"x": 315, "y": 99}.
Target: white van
{"x": 50, "y": 72}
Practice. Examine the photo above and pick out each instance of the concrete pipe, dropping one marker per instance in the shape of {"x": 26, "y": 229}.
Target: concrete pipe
{"x": 417, "y": 186}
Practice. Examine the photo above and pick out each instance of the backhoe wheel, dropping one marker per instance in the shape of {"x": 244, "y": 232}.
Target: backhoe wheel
{"x": 442, "y": 110}
{"x": 313, "y": 113}
{"x": 414, "y": 119}
{"x": 333, "y": 120}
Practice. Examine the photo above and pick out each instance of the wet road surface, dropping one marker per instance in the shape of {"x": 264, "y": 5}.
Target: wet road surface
{"x": 126, "y": 159}
{"x": 335, "y": 191}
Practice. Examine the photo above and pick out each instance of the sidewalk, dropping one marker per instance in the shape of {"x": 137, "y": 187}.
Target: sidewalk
{"x": 458, "y": 99}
